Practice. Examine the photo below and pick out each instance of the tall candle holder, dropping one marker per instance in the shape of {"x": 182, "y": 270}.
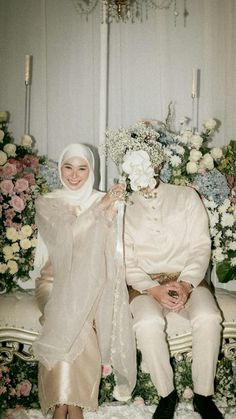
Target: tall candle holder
{"x": 28, "y": 79}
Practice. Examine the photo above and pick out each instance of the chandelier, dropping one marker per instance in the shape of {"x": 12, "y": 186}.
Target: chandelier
{"x": 124, "y": 10}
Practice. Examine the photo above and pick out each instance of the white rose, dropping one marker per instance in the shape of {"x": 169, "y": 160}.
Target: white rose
{"x": 233, "y": 262}
{"x": 216, "y": 153}
{"x": 196, "y": 140}
{"x": 185, "y": 137}
{"x": 207, "y": 162}
{"x": 134, "y": 160}
{"x": 195, "y": 155}
{"x": 143, "y": 180}
{"x": 26, "y": 231}
{"x": 25, "y": 244}
{"x": 12, "y": 266}
{"x": 191, "y": 167}
{"x": 210, "y": 124}
{"x": 26, "y": 141}
{"x": 10, "y": 149}
{"x": 232, "y": 246}
{"x": 1, "y": 135}
{"x": 218, "y": 255}
{"x": 227, "y": 220}
{"x": 4, "y": 116}
{"x": 3, "y": 158}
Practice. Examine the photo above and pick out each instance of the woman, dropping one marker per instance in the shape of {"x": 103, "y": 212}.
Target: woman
{"x": 81, "y": 292}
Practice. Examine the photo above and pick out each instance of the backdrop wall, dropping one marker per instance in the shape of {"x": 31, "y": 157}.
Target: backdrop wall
{"x": 150, "y": 64}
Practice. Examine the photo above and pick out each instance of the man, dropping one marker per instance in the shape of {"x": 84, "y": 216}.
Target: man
{"x": 167, "y": 252}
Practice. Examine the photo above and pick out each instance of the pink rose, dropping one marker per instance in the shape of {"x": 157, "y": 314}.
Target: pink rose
{"x": 17, "y": 163}
{"x": 8, "y": 222}
{"x": 30, "y": 178}
{"x": 9, "y": 170}
{"x": 188, "y": 393}
{"x": 138, "y": 401}
{"x": 106, "y": 370}
{"x": 21, "y": 185}
{"x": 24, "y": 388}
{"x": 3, "y": 389}
{"x": 10, "y": 213}
{"x": 17, "y": 203}
{"x": 233, "y": 195}
{"x": 31, "y": 161}
{"x": 7, "y": 186}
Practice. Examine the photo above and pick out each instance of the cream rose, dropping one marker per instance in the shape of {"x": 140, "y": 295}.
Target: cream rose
{"x": 191, "y": 167}
{"x": 26, "y": 141}
{"x": 10, "y": 149}
{"x": 26, "y": 231}
{"x": 3, "y": 268}
{"x": 196, "y": 140}
{"x": 12, "y": 266}
{"x": 34, "y": 242}
{"x": 15, "y": 247}
{"x": 25, "y": 244}
{"x": 195, "y": 155}
{"x": 216, "y": 153}
{"x": 4, "y": 116}
{"x": 11, "y": 234}
{"x": 210, "y": 124}
{"x": 8, "y": 253}
{"x": 1, "y": 135}
{"x": 207, "y": 162}
{"x": 3, "y": 158}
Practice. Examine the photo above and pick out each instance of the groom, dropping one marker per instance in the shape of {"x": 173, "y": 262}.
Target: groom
{"x": 167, "y": 252}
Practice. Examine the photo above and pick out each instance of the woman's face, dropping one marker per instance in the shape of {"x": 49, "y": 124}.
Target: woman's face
{"x": 74, "y": 172}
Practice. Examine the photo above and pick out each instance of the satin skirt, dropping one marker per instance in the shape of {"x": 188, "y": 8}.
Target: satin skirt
{"x": 74, "y": 384}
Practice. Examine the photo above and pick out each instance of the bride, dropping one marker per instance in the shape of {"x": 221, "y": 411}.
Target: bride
{"x": 81, "y": 292}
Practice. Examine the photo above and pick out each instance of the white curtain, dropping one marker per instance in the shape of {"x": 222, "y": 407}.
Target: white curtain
{"x": 150, "y": 64}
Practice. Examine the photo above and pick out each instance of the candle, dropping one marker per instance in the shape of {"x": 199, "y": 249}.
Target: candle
{"x": 194, "y": 82}
{"x": 28, "y": 69}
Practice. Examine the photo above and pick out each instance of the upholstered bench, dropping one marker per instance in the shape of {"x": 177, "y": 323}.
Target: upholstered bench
{"x": 19, "y": 326}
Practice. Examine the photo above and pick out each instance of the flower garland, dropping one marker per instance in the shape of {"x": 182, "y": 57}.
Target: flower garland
{"x": 19, "y": 384}
{"x": 20, "y": 184}
{"x": 183, "y": 158}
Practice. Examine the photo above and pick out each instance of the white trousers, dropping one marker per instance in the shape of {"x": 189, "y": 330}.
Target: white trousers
{"x": 150, "y": 325}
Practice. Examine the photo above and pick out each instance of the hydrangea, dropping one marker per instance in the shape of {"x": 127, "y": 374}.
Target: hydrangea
{"x": 212, "y": 185}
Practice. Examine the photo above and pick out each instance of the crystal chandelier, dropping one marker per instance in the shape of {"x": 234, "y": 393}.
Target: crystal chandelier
{"x": 124, "y": 10}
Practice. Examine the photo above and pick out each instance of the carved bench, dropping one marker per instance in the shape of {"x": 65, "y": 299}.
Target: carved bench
{"x": 19, "y": 327}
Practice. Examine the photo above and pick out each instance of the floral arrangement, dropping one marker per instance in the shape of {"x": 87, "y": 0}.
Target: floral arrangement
{"x": 135, "y": 151}
{"x": 20, "y": 184}
{"x": 18, "y": 385}
{"x": 183, "y": 158}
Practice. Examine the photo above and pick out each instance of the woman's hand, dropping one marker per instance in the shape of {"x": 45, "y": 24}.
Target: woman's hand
{"x": 116, "y": 193}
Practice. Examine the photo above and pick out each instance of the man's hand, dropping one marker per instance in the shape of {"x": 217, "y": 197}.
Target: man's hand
{"x": 172, "y": 295}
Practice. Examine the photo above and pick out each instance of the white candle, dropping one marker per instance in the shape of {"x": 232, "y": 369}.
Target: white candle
{"x": 194, "y": 82}
{"x": 28, "y": 68}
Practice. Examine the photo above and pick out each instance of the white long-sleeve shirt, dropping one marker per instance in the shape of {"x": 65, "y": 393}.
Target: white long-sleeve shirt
{"x": 168, "y": 233}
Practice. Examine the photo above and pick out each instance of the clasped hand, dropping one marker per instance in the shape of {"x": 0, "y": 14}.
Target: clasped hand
{"x": 172, "y": 295}
{"x": 116, "y": 193}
